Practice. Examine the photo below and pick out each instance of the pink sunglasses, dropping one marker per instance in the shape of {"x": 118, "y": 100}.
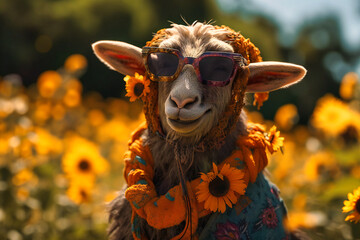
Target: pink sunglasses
{"x": 212, "y": 68}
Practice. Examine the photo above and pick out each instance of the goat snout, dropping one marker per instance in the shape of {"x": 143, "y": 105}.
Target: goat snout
{"x": 184, "y": 102}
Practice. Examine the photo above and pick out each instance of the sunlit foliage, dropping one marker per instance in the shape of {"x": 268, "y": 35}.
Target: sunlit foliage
{"x": 56, "y": 149}
{"x": 61, "y": 158}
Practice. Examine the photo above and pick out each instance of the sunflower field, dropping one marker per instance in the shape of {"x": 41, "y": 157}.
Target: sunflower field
{"x": 61, "y": 158}
{"x": 60, "y": 155}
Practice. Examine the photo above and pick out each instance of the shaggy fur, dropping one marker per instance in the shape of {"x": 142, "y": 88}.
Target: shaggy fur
{"x": 210, "y": 102}
{"x": 165, "y": 178}
{"x": 192, "y": 41}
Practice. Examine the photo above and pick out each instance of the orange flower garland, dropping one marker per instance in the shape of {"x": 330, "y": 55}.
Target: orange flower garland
{"x": 260, "y": 98}
{"x": 136, "y": 86}
{"x": 219, "y": 189}
{"x": 353, "y": 205}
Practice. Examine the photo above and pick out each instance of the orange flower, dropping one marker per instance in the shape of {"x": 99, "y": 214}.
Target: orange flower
{"x": 136, "y": 86}
{"x": 25, "y": 176}
{"x": 219, "y": 189}
{"x": 333, "y": 117}
{"x": 273, "y": 140}
{"x": 286, "y": 116}
{"x": 302, "y": 219}
{"x": 72, "y": 98}
{"x": 82, "y": 160}
{"x": 353, "y": 205}
{"x": 348, "y": 85}
{"x": 80, "y": 192}
{"x": 48, "y": 82}
{"x": 321, "y": 165}
{"x": 75, "y": 63}
{"x": 260, "y": 98}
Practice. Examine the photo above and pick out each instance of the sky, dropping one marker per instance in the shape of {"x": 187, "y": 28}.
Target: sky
{"x": 289, "y": 15}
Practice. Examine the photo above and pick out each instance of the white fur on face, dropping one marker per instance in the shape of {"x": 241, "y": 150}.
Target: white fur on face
{"x": 196, "y": 39}
{"x": 196, "y": 119}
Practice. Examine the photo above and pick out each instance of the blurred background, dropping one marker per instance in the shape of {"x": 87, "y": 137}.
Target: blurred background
{"x": 64, "y": 118}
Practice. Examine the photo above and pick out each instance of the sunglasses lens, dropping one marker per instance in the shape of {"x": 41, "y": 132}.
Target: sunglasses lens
{"x": 216, "y": 68}
{"x": 162, "y": 64}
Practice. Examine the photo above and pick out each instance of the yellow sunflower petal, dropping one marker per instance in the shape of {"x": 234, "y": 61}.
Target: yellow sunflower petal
{"x": 349, "y": 218}
{"x": 203, "y": 192}
{"x": 203, "y": 197}
{"x": 213, "y": 203}
{"x": 351, "y": 205}
{"x": 228, "y": 202}
{"x": 347, "y": 208}
{"x": 215, "y": 169}
{"x": 222, "y": 205}
{"x": 204, "y": 177}
{"x": 239, "y": 188}
{"x": 232, "y": 197}
{"x": 126, "y": 78}
{"x": 207, "y": 203}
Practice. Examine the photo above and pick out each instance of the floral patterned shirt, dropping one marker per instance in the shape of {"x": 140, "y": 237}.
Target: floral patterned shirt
{"x": 257, "y": 215}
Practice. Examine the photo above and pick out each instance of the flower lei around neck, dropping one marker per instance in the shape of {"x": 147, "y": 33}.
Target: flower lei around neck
{"x": 214, "y": 191}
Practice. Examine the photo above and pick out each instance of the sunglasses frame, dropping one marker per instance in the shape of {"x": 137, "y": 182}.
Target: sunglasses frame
{"x": 238, "y": 62}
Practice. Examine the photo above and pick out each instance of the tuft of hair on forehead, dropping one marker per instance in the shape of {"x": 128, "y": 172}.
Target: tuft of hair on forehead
{"x": 196, "y": 38}
{"x": 198, "y": 30}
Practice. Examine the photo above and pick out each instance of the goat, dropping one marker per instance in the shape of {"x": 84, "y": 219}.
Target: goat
{"x": 194, "y": 123}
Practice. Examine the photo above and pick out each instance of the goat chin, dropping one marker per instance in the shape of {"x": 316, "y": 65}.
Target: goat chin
{"x": 189, "y": 132}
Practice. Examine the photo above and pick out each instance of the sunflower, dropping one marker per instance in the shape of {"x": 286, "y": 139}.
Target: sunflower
{"x": 80, "y": 192}
{"x": 321, "y": 165}
{"x": 348, "y": 85}
{"x": 82, "y": 160}
{"x": 333, "y": 117}
{"x": 273, "y": 140}
{"x": 301, "y": 219}
{"x": 75, "y": 63}
{"x": 353, "y": 205}
{"x": 48, "y": 82}
{"x": 136, "y": 86}
{"x": 286, "y": 116}
{"x": 72, "y": 98}
{"x": 45, "y": 143}
{"x": 218, "y": 189}
{"x": 25, "y": 176}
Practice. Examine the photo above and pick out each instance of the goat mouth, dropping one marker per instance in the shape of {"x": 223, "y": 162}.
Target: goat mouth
{"x": 184, "y": 122}
{"x": 186, "y": 126}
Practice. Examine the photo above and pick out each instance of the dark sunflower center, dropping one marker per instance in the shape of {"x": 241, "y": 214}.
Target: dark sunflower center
{"x": 321, "y": 169}
{"x": 83, "y": 194}
{"x": 138, "y": 89}
{"x": 350, "y": 135}
{"x": 219, "y": 187}
{"x": 357, "y": 205}
{"x": 271, "y": 138}
{"x": 84, "y": 165}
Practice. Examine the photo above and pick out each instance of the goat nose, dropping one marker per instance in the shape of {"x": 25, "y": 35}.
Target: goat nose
{"x": 183, "y": 103}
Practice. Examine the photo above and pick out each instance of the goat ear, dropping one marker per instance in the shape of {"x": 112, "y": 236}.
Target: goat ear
{"x": 119, "y": 56}
{"x": 270, "y": 76}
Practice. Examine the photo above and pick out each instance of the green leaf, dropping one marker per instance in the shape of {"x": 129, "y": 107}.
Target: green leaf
{"x": 341, "y": 188}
